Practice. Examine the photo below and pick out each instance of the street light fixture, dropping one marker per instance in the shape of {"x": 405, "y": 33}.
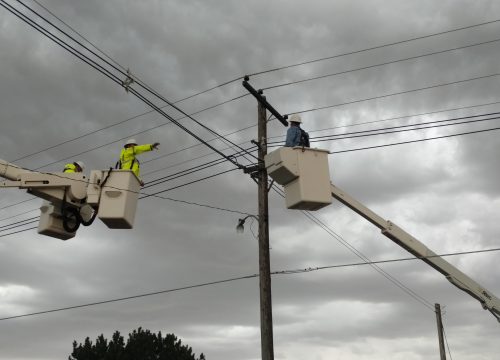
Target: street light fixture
{"x": 241, "y": 222}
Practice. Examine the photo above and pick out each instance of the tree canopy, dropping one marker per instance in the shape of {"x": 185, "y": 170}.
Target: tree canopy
{"x": 141, "y": 345}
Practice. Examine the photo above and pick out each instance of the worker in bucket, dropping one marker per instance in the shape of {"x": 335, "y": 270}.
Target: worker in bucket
{"x": 295, "y": 136}
{"x": 75, "y": 167}
{"x": 129, "y": 152}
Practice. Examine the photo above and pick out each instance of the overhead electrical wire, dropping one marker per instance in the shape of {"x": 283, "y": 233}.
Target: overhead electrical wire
{"x": 123, "y": 68}
{"x": 362, "y": 256}
{"x": 232, "y": 99}
{"x": 402, "y": 128}
{"x": 345, "y": 135}
{"x": 143, "y": 196}
{"x": 399, "y": 130}
{"x": 8, "y": 226}
{"x": 414, "y": 141}
{"x": 399, "y": 117}
{"x": 233, "y": 279}
{"x": 447, "y": 345}
{"x": 372, "y": 48}
{"x": 87, "y": 49}
{"x": 144, "y": 86}
{"x": 149, "y": 184}
{"x": 375, "y": 65}
{"x": 19, "y": 231}
{"x": 331, "y": 152}
{"x": 13, "y": 216}
{"x": 313, "y": 109}
{"x": 219, "y": 136}
{"x": 204, "y": 91}
{"x": 106, "y": 72}
{"x": 393, "y": 94}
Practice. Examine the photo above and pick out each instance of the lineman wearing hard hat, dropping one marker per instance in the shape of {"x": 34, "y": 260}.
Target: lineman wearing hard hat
{"x": 295, "y": 136}
{"x": 127, "y": 157}
{"x": 77, "y": 166}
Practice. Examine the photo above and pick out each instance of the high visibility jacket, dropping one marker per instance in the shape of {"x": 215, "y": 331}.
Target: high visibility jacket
{"x": 128, "y": 160}
{"x": 70, "y": 168}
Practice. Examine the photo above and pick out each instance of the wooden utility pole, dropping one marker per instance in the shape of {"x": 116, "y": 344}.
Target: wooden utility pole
{"x": 442, "y": 350}
{"x": 259, "y": 173}
{"x": 266, "y": 313}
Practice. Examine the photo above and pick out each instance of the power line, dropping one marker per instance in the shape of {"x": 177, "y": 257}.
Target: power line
{"x": 19, "y": 231}
{"x": 188, "y": 183}
{"x": 401, "y": 128}
{"x": 283, "y": 272}
{"x": 398, "y": 129}
{"x": 415, "y": 141}
{"x": 219, "y": 161}
{"x": 402, "y": 117}
{"x": 13, "y": 216}
{"x": 363, "y": 257}
{"x": 108, "y": 74}
{"x": 149, "y": 184}
{"x": 216, "y": 162}
{"x": 377, "y": 65}
{"x": 144, "y": 195}
{"x": 317, "y": 268}
{"x": 7, "y": 227}
{"x": 134, "y": 116}
{"x": 332, "y": 152}
{"x": 196, "y": 94}
{"x": 79, "y": 34}
{"x": 393, "y": 94}
{"x": 447, "y": 345}
{"x": 372, "y": 48}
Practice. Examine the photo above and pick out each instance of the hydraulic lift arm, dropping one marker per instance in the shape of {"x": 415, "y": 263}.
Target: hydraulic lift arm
{"x": 488, "y": 300}
{"x": 72, "y": 199}
{"x": 304, "y": 174}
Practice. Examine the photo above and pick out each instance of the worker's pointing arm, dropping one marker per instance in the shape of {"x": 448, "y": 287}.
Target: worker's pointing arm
{"x": 139, "y": 149}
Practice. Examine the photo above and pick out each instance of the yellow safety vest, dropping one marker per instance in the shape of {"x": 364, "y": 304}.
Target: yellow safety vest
{"x": 128, "y": 160}
{"x": 70, "y": 168}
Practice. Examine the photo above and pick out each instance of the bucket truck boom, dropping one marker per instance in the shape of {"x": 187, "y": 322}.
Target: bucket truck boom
{"x": 72, "y": 199}
{"x": 305, "y": 176}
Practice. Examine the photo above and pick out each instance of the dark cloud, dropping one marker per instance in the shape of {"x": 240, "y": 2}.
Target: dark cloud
{"x": 443, "y": 192}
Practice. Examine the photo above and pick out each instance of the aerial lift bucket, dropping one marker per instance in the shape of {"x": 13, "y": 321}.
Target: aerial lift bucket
{"x": 118, "y": 198}
{"x": 305, "y": 175}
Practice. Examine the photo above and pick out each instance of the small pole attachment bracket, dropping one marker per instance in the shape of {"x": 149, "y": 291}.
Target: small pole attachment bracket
{"x": 128, "y": 81}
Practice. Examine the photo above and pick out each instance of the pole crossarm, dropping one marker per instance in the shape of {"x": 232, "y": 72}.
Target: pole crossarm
{"x": 262, "y": 100}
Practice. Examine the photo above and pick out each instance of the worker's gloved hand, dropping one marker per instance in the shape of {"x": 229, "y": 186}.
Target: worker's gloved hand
{"x": 155, "y": 145}
{"x": 141, "y": 182}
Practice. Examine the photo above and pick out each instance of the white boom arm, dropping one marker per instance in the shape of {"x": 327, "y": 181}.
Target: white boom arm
{"x": 72, "y": 199}
{"x": 488, "y": 300}
{"x": 304, "y": 174}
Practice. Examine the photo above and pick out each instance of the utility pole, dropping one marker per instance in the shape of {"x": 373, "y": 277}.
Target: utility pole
{"x": 259, "y": 173}
{"x": 266, "y": 312}
{"x": 442, "y": 350}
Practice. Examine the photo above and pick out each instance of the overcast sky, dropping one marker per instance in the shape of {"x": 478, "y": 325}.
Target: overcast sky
{"x": 444, "y": 192}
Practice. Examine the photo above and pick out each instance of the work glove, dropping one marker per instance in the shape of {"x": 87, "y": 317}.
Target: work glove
{"x": 155, "y": 145}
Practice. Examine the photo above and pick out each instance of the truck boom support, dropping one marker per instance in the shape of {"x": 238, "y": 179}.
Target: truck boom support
{"x": 488, "y": 300}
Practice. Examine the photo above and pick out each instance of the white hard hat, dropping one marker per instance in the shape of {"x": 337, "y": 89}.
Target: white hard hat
{"x": 131, "y": 142}
{"x": 295, "y": 118}
{"x": 81, "y": 164}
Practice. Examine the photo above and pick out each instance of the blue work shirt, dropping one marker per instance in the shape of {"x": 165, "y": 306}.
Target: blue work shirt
{"x": 293, "y": 136}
